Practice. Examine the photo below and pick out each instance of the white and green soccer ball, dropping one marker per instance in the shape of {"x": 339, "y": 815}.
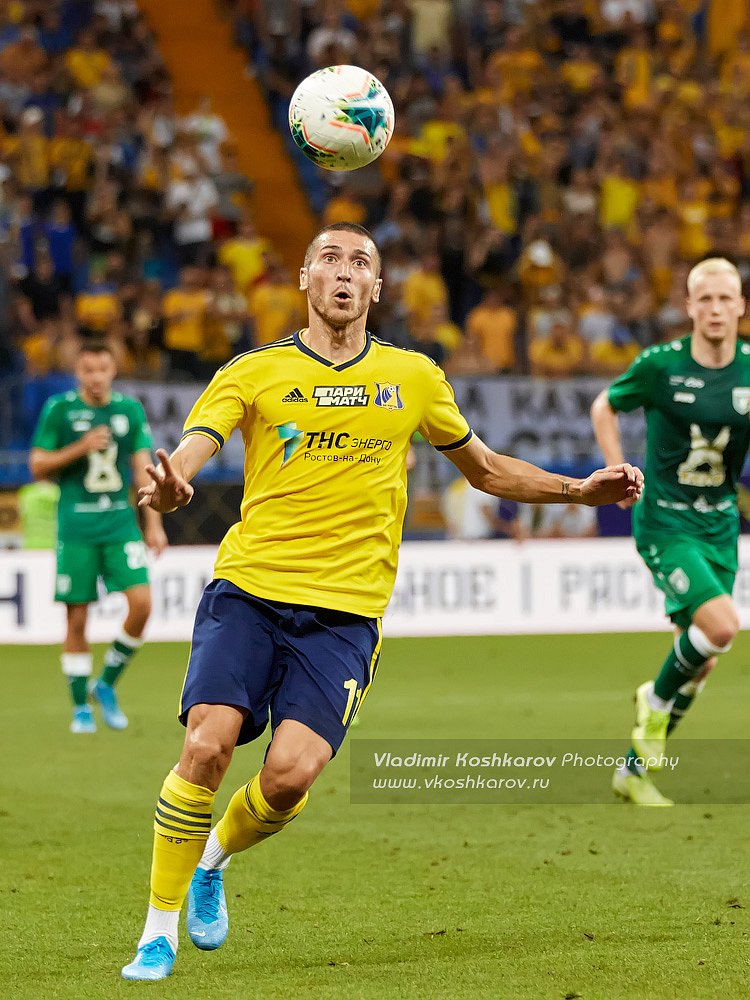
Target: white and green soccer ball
{"x": 341, "y": 117}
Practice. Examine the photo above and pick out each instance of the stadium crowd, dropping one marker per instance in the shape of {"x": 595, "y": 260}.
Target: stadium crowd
{"x": 557, "y": 165}
{"x": 556, "y": 169}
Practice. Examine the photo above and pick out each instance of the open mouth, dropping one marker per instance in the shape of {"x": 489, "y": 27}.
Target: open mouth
{"x": 342, "y": 297}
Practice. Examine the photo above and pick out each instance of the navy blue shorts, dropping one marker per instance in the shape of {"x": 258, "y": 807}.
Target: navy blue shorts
{"x": 309, "y": 664}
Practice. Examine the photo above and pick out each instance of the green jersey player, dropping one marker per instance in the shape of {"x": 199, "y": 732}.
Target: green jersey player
{"x": 696, "y": 396}
{"x": 97, "y": 443}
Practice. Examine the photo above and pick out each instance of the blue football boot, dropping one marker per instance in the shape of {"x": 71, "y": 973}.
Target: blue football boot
{"x": 154, "y": 960}
{"x": 104, "y": 695}
{"x": 83, "y": 720}
{"x": 207, "y": 918}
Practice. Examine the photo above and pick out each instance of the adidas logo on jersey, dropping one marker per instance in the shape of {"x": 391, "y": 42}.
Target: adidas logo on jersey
{"x": 295, "y": 396}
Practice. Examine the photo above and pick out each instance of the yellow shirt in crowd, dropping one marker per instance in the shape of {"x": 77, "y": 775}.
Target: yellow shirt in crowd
{"x": 184, "y": 313}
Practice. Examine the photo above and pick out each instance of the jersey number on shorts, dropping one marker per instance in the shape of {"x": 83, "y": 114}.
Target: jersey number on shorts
{"x": 352, "y": 702}
{"x": 135, "y": 553}
{"x": 102, "y": 475}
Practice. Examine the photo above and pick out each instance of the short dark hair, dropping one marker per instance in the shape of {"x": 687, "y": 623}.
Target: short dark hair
{"x": 343, "y": 227}
{"x": 95, "y": 347}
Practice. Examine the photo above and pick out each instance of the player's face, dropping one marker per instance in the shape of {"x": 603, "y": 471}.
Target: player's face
{"x": 341, "y": 280}
{"x": 95, "y": 373}
{"x": 715, "y": 306}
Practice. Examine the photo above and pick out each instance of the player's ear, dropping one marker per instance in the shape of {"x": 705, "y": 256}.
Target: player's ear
{"x": 689, "y": 308}
{"x": 303, "y": 279}
{"x": 375, "y": 297}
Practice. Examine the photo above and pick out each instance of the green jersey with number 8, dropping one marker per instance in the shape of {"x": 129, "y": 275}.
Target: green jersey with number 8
{"x": 697, "y": 436}
{"x": 95, "y": 504}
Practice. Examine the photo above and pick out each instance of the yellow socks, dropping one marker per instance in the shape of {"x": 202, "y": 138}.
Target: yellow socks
{"x": 181, "y": 827}
{"x": 249, "y": 819}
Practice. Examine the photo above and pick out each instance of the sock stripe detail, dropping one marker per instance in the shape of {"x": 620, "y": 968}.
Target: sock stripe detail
{"x": 160, "y": 825}
{"x": 204, "y": 824}
{"x": 267, "y": 827}
{"x": 186, "y": 812}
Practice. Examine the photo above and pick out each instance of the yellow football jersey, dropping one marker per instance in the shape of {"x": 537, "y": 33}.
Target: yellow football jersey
{"x": 325, "y": 473}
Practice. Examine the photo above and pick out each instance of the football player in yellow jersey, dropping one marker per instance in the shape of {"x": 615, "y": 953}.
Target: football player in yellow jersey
{"x": 291, "y": 623}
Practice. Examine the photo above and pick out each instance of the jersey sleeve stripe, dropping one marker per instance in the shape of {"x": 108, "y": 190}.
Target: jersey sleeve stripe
{"x": 206, "y": 432}
{"x": 456, "y": 444}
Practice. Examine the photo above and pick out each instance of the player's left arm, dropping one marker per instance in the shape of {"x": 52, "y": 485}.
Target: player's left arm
{"x": 514, "y": 479}
{"x": 153, "y": 529}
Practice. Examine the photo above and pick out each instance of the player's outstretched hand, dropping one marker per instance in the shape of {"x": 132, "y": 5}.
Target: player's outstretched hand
{"x": 620, "y": 484}
{"x": 167, "y": 491}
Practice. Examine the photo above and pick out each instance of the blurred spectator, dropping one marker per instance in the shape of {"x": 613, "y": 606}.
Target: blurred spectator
{"x": 61, "y": 237}
{"x": 658, "y": 245}
{"x": 276, "y": 306}
{"x": 492, "y": 324}
{"x": 470, "y": 515}
{"x": 672, "y": 318}
{"x": 329, "y": 37}
{"x": 97, "y": 307}
{"x": 86, "y": 61}
{"x": 244, "y": 254}
{"x": 185, "y": 311}
{"x": 558, "y": 355}
{"x": 444, "y": 331}
{"x": 72, "y": 164}
{"x": 226, "y": 319}
{"x": 44, "y": 289}
{"x": 580, "y": 197}
{"x": 469, "y": 359}
{"x": 190, "y": 201}
{"x": 568, "y": 26}
{"x": 550, "y": 309}
{"x": 422, "y": 337}
{"x": 28, "y": 155}
{"x": 424, "y": 288}
{"x": 22, "y": 59}
{"x": 613, "y": 353}
{"x": 539, "y": 268}
{"x": 234, "y": 190}
{"x": 108, "y": 225}
{"x": 568, "y": 520}
{"x": 210, "y": 132}
{"x": 147, "y": 332}
{"x": 693, "y": 214}
{"x": 619, "y": 194}
{"x": 344, "y": 206}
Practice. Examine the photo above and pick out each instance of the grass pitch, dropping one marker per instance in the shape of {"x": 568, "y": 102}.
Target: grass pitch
{"x": 509, "y": 902}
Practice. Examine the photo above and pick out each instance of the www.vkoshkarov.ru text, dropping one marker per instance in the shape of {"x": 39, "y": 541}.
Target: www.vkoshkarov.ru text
{"x": 467, "y": 781}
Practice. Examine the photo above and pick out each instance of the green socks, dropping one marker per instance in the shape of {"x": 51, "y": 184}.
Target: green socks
{"x": 118, "y": 656}
{"x": 684, "y": 662}
{"x": 77, "y": 668}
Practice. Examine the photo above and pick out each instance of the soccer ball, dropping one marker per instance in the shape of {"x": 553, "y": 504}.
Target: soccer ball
{"x": 341, "y": 117}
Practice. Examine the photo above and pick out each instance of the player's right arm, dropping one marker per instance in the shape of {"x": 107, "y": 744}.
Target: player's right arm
{"x": 170, "y": 481}
{"x": 213, "y": 418}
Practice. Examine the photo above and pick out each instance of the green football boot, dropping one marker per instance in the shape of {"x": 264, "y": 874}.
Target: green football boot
{"x": 649, "y": 734}
{"x": 638, "y": 789}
